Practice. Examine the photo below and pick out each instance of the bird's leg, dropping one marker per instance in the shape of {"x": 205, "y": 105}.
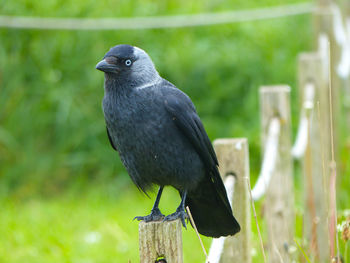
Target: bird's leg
{"x": 180, "y": 211}
{"x": 155, "y": 214}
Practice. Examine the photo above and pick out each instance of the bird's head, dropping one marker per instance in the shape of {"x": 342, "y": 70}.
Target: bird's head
{"x": 128, "y": 64}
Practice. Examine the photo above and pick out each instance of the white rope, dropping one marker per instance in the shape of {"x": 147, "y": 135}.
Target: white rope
{"x": 269, "y": 161}
{"x": 323, "y": 51}
{"x": 300, "y": 144}
{"x": 217, "y": 245}
{"x": 342, "y": 37}
{"x": 155, "y": 22}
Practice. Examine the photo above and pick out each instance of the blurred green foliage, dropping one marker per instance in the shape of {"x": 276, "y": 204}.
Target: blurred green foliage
{"x": 59, "y": 177}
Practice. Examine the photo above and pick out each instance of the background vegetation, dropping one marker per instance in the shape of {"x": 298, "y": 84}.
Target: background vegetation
{"x": 64, "y": 194}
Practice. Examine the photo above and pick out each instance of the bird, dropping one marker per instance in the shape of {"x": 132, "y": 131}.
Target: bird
{"x": 156, "y": 130}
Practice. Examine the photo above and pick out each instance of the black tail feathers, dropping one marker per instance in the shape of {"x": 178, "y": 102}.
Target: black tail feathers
{"x": 211, "y": 214}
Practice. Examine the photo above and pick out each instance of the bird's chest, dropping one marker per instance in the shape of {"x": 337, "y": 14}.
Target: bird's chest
{"x": 134, "y": 124}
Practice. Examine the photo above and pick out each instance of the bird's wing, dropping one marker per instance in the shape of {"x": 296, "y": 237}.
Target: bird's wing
{"x": 110, "y": 139}
{"x": 186, "y": 119}
{"x": 183, "y": 113}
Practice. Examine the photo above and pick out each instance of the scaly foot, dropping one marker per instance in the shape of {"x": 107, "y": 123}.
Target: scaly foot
{"x": 155, "y": 215}
{"x": 179, "y": 213}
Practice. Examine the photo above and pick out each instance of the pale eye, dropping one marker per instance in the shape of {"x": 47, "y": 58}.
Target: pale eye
{"x": 128, "y": 62}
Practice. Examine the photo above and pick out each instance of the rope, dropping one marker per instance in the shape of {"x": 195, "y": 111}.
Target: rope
{"x": 323, "y": 48}
{"x": 204, "y": 19}
{"x": 269, "y": 162}
{"x": 301, "y": 141}
{"x": 299, "y": 146}
{"x": 342, "y": 37}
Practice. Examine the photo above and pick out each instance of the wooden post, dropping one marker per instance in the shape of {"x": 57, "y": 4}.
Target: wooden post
{"x": 324, "y": 2}
{"x": 324, "y": 25}
{"x": 233, "y": 157}
{"x": 347, "y": 82}
{"x": 160, "y": 240}
{"x": 345, "y": 7}
{"x": 279, "y": 208}
{"x": 316, "y": 178}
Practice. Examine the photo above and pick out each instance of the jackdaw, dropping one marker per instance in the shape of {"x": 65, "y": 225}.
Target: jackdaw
{"x": 161, "y": 140}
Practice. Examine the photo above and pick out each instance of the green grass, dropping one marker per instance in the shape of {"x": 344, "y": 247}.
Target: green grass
{"x": 93, "y": 226}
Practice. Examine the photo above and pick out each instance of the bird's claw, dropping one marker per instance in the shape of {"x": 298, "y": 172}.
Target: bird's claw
{"x": 179, "y": 213}
{"x": 155, "y": 215}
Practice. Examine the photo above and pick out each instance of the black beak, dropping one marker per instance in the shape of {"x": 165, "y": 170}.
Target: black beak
{"x": 104, "y": 66}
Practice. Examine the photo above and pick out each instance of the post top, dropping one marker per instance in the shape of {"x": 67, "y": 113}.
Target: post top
{"x": 309, "y": 56}
{"x": 274, "y": 88}
{"x": 233, "y": 141}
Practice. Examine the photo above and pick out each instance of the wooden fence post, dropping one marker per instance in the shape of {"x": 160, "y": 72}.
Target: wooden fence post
{"x": 347, "y": 83}
{"x": 324, "y": 2}
{"x": 233, "y": 157}
{"x": 324, "y": 17}
{"x": 279, "y": 208}
{"x": 316, "y": 177}
{"x": 160, "y": 240}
